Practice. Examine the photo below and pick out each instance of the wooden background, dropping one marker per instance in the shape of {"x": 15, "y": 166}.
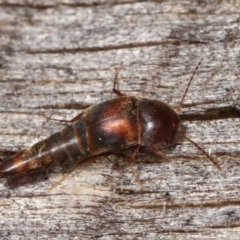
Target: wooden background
{"x": 58, "y": 57}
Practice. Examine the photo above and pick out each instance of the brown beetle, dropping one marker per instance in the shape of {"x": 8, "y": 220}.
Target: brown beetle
{"x": 103, "y": 128}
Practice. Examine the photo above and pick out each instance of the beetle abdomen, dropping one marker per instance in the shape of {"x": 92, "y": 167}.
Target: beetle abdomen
{"x": 105, "y": 127}
{"x": 69, "y": 143}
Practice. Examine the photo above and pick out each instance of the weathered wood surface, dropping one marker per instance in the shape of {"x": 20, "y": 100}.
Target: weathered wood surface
{"x": 58, "y": 57}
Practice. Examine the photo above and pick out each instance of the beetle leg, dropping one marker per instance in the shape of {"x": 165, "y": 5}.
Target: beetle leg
{"x": 66, "y": 175}
{"x": 77, "y": 117}
{"x": 63, "y": 120}
{"x": 114, "y": 90}
{"x": 131, "y": 160}
{"x": 160, "y": 153}
{"x": 55, "y": 119}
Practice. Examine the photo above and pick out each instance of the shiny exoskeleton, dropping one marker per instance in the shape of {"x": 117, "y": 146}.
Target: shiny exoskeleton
{"x": 103, "y": 128}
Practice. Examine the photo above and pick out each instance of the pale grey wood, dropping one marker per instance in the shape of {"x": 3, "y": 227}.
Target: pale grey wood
{"x": 59, "y": 57}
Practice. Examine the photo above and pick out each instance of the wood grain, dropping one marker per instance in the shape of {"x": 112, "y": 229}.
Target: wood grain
{"x": 58, "y": 57}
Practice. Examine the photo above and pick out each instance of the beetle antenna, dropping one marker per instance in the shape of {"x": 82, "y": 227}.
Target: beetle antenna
{"x": 202, "y": 150}
{"x": 179, "y": 109}
{"x": 189, "y": 83}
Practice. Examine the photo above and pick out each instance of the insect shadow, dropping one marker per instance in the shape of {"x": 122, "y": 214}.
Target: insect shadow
{"x": 106, "y": 128}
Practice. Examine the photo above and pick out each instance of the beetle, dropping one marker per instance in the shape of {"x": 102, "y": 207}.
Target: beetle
{"x": 106, "y": 127}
